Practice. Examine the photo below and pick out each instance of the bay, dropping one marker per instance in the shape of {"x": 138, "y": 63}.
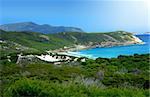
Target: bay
{"x": 113, "y": 52}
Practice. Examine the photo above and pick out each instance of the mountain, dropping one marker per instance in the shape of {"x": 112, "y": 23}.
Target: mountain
{"x": 33, "y": 27}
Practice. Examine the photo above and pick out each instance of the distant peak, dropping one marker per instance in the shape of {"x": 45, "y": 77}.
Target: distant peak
{"x": 46, "y": 24}
{"x": 28, "y": 23}
{"x": 120, "y": 31}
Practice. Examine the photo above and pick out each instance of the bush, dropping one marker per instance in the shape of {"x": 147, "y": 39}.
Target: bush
{"x": 27, "y": 87}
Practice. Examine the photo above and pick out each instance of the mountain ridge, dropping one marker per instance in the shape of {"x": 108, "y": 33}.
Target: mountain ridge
{"x": 33, "y": 27}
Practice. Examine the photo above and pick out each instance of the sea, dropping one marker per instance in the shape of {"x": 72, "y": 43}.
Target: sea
{"x": 113, "y": 52}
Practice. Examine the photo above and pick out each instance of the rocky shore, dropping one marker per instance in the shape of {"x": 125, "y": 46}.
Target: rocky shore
{"x": 134, "y": 40}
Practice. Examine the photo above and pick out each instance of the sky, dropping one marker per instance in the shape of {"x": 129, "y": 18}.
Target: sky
{"x": 90, "y": 15}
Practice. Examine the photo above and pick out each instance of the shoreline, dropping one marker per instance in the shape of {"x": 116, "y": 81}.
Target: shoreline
{"x": 74, "y": 50}
{"x": 85, "y": 47}
{"x": 78, "y": 54}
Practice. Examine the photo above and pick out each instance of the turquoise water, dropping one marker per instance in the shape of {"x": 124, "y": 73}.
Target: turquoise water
{"x": 112, "y": 52}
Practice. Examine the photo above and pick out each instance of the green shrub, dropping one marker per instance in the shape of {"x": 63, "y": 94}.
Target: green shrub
{"x": 37, "y": 88}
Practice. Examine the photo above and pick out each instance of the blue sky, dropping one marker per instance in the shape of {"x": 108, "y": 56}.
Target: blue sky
{"x": 90, "y": 15}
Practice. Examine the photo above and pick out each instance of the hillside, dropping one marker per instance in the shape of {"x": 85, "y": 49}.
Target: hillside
{"x": 33, "y": 27}
{"x": 44, "y": 42}
{"x": 85, "y": 38}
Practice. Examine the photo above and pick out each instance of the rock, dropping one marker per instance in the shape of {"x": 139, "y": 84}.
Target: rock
{"x": 22, "y": 61}
{"x": 100, "y": 75}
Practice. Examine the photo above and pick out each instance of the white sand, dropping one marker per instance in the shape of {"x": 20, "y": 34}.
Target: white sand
{"x": 48, "y": 58}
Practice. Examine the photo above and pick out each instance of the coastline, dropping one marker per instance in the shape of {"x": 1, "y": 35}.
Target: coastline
{"x": 73, "y": 53}
{"x": 74, "y": 50}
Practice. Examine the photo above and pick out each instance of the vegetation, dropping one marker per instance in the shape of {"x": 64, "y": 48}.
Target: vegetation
{"x": 40, "y": 88}
{"x": 32, "y": 41}
{"x": 125, "y": 76}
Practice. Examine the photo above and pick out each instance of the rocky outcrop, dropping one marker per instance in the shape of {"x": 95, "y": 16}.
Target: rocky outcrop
{"x": 22, "y": 61}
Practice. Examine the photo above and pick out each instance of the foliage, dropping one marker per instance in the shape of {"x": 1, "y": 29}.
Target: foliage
{"x": 38, "y": 88}
{"x": 125, "y": 76}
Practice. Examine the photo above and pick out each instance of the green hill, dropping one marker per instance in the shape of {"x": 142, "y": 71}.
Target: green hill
{"x": 42, "y": 42}
{"x": 83, "y": 38}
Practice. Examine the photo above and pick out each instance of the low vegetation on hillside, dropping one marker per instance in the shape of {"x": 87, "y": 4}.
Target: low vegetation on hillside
{"x": 37, "y": 41}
